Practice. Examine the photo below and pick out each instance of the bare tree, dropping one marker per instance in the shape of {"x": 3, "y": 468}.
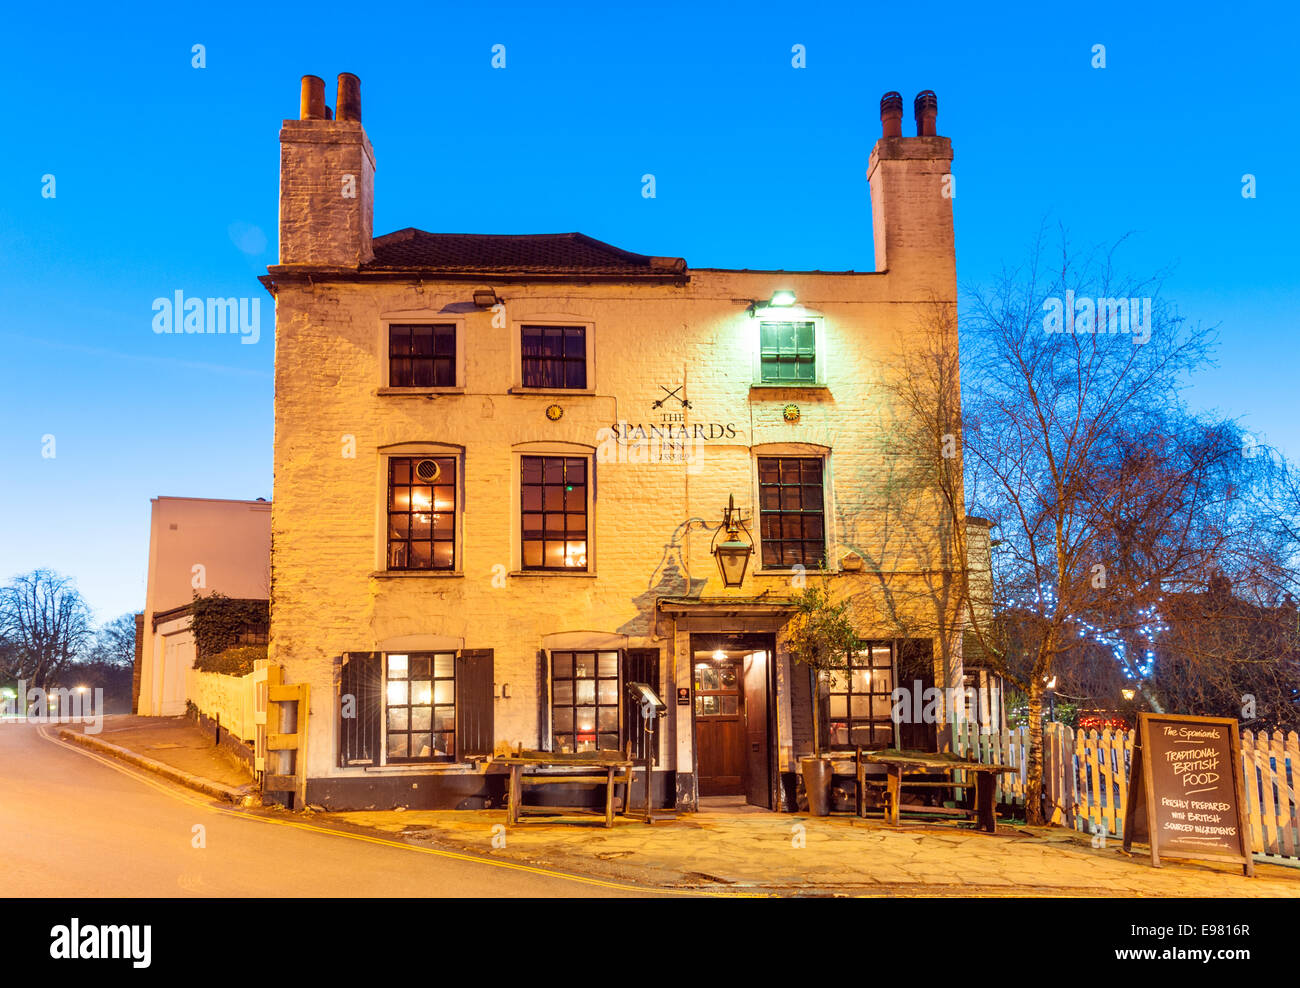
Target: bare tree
{"x": 1050, "y": 386}
{"x": 114, "y": 642}
{"x": 1054, "y": 387}
{"x": 44, "y": 623}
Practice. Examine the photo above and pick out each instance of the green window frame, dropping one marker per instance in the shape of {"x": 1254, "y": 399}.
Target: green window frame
{"x": 787, "y": 352}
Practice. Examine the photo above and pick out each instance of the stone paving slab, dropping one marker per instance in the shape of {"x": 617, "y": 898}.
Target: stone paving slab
{"x": 748, "y": 851}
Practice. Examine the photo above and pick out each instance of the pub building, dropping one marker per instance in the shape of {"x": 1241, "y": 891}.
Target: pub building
{"x": 516, "y": 473}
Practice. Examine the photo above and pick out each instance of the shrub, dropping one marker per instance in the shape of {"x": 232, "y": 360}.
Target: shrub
{"x": 237, "y": 661}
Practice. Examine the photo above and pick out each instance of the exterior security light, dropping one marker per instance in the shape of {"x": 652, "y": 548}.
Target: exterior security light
{"x": 781, "y": 299}
{"x": 1129, "y": 694}
{"x": 485, "y": 298}
{"x": 733, "y": 554}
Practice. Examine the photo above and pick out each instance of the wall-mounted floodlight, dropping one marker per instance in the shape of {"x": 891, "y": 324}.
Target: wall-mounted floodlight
{"x": 485, "y": 298}
{"x": 781, "y": 299}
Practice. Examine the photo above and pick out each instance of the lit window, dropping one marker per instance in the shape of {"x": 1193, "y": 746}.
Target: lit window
{"x": 422, "y": 512}
{"x": 420, "y": 707}
{"x": 584, "y": 701}
{"x": 553, "y": 503}
{"x": 860, "y": 703}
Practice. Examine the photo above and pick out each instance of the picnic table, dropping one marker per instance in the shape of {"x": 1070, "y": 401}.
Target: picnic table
{"x": 606, "y": 768}
{"x": 900, "y": 763}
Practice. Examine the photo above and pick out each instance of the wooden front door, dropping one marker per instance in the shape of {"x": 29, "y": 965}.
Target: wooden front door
{"x": 720, "y": 722}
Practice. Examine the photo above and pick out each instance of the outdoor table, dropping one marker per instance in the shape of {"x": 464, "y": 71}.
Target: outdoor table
{"x": 902, "y": 763}
{"x": 607, "y": 768}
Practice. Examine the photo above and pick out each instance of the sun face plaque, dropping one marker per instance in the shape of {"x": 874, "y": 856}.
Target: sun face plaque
{"x": 554, "y": 412}
{"x": 790, "y": 413}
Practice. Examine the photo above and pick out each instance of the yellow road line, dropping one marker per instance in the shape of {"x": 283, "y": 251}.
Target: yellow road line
{"x": 456, "y": 856}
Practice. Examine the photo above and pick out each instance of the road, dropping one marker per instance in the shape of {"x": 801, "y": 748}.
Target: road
{"x": 75, "y": 824}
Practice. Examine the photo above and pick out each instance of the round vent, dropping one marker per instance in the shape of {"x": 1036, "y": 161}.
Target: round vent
{"x": 427, "y": 471}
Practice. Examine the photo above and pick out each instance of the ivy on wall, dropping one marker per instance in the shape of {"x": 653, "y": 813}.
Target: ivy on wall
{"x": 219, "y": 621}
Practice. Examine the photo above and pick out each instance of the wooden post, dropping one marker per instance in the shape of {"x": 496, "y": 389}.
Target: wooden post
{"x": 984, "y": 802}
{"x": 893, "y": 791}
{"x": 609, "y": 796}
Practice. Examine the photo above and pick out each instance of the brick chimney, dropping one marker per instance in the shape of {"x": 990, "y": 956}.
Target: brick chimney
{"x": 910, "y": 214}
{"x": 327, "y": 180}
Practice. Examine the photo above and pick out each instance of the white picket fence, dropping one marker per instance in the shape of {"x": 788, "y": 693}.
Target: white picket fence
{"x": 1086, "y": 777}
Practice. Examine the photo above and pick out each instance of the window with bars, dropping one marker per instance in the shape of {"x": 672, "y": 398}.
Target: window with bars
{"x": 553, "y": 506}
{"x": 422, "y": 512}
{"x": 787, "y": 353}
{"x": 791, "y": 511}
{"x": 860, "y": 704}
{"x": 421, "y": 356}
{"x": 585, "y": 704}
{"x": 554, "y": 357}
{"x": 420, "y": 707}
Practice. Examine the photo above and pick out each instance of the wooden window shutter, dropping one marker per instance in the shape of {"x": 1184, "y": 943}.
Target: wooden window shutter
{"x": 641, "y": 665}
{"x": 475, "y": 734}
{"x": 361, "y": 694}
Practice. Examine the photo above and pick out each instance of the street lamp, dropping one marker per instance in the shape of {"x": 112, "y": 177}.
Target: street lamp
{"x": 1051, "y": 699}
{"x": 733, "y": 554}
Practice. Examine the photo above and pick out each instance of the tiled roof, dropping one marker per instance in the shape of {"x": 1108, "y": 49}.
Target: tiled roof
{"x": 541, "y": 253}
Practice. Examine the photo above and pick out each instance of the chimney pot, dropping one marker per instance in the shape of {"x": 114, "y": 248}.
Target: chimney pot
{"x": 926, "y": 108}
{"x": 891, "y": 115}
{"x": 313, "y": 98}
{"x": 349, "y": 97}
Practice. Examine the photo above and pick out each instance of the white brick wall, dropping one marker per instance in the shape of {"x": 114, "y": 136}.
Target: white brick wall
{"x": 328, "y": 510}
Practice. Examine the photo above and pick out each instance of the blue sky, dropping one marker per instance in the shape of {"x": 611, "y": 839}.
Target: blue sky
{"x": 166, "y": 179}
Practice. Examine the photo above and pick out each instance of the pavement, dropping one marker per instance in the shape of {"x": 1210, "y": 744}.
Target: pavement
{"x": 745, "y": 850}
{"x": 174, "y": 747}
{"x": 731, "y": 848}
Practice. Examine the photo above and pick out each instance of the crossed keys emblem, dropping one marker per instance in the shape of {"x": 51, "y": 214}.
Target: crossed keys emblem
{"x": 671, "y": 394}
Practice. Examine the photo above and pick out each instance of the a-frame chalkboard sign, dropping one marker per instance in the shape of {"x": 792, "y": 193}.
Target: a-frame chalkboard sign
{"x": 1185, "y": 790}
